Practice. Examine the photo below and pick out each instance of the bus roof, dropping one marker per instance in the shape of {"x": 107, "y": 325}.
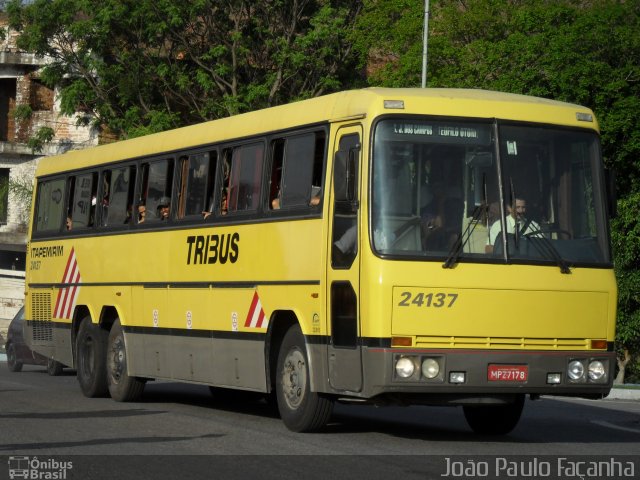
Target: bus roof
{"x": 368, "y": 103}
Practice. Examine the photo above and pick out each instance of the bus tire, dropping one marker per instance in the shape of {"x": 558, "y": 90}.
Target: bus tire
{"x": 301, "y": 409}
{"x": 54, "y": 368}
{"x": 12, "y": 359}
{"x": 122, "y": 387}
{"x": 91, "y": 356}
{"x": 494, "y": 419}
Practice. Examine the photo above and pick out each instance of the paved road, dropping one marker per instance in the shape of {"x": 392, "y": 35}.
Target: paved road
{"x": 48, "y": 417}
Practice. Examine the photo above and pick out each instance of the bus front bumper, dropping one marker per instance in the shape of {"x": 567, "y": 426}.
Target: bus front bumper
{"x": 478, "y": 376}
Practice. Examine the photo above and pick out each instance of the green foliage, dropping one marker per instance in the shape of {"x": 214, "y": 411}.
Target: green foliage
{"x": 21, "y": 190}
{"x": 626, "y": 245}
{"x": 4, "y": 195}
{"x": 42, "y": 136}
{"x": 141, "y": 66}
{"x": 22, "y": 112}
{"x": 578, "y": 51}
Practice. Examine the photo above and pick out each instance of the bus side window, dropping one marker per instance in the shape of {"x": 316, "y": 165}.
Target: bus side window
{"x": 196, "y": 182}
{"x": 156, "y": 185}
{"x": 68, "y": 223}
{"x": 183, "y": 169}
{"x": 275, "y": 182}
{"x": 81, "y": 209}
{"x": 297, "y": 171}
{"x": 117, "y": 204}
{"x": 245, "y": 178}
{"x": 50, "y": 205}
{"x": 211, "y": 183}
{"x": 104, "y": 196}
{"x": 226, "y": 174}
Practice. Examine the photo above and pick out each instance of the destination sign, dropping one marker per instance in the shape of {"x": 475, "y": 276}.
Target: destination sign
{"x": 434, "y": 132}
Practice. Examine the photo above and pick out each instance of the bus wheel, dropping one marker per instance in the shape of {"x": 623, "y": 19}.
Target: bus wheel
{"x": 122, "y": 387}
{"x": 494, "y": 419}
{"x": 91, "y": 356}
{"x": 54, "y": 368}
{"x": 301, "y": 409}
{"x": 12, "y": 359}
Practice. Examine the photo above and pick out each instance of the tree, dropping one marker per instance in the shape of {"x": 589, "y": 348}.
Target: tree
{"x": 140, "y": 66}
{"x": 21, "y": 190}
{"x": 580, "y": 51}
{"x": 626, "y": 242}
{"x": 583, "y": 52}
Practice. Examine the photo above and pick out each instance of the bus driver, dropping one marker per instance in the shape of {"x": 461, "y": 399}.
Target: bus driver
{"x": 516, "y": 215}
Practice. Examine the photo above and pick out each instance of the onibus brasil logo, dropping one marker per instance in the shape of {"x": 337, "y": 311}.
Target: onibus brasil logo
{"x": 33, "y": 468}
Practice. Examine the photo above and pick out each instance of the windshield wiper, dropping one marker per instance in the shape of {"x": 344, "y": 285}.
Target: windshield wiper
{"x": 458, "y": 246}
{"x": 456, "y": 249}
{"x": 545, "y": 248}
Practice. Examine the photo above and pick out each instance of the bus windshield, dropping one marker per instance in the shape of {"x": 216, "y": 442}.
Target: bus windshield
{"x": 487, "y": 192}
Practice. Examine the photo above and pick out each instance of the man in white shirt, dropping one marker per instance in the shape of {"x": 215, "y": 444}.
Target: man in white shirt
{"x": 515, "y": 217}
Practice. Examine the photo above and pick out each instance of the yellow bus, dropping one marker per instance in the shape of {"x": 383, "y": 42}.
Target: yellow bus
{"x": 389, "y": 246}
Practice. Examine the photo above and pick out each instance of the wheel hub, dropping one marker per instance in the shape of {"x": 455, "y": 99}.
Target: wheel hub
{"x": 117, "y": 360}
{"x": 294, "y": 379}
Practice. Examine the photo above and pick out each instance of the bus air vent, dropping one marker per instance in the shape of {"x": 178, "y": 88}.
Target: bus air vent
{"x": 41, "y": 306}
{"x": 503, "y": 343}
{"x": 41, "y": 313}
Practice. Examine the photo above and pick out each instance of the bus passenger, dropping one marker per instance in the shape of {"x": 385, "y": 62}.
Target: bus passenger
{"x": 163, "y": 208}
{"x": 346, "y": 245}
{"x": 142, "y": 212}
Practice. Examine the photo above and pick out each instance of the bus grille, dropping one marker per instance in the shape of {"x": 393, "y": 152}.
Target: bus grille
{"x": 503, "y": 343}
{"x": 42, "y": 331}
{"x": 41, "y": 313}
{"x": 41, "y": 306}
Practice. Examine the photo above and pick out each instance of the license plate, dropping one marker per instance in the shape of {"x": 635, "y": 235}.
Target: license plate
{"x": 507, "y": 373}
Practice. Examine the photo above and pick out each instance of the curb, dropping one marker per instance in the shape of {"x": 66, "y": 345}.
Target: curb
{"x": 624, "y": 394}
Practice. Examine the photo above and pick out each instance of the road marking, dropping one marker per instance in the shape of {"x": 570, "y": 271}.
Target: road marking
{"x": 602, "y": 423}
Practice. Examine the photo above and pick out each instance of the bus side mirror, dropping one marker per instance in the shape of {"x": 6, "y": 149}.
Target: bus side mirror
{"x": 340, "y": 176}
{"x": 345, "y": 176}
{"x": 612, "y": 197}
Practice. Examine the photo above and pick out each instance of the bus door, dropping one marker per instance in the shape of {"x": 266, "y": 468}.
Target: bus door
{"x": 343, "y": 284}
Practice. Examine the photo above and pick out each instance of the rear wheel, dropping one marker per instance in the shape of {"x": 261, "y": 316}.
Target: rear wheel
{"x": 91, "y": 356}
{"x": 301, "y": 409}
{"x": 122, "y": 387}
{"x": 494, "y": 419}
{"x": 54, "y": 368}
{"x": 12, "y": 359}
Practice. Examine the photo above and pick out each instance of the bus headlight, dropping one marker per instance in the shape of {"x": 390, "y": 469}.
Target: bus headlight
{"x": 596, "y": 371}
{"x": 405, "y": 367}
{"x": 575, "y": 371}
{"x": 430, "y": 368}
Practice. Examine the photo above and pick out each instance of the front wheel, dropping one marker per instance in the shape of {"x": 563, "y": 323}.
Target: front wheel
{"x": 12, "y": 359}
{"x": 494, "y": 419}
{"x": 122, "y": 387}
{"x": 54, "y": 368}
{"x": 301, "y": 409}
{"x": 91, "y": 356}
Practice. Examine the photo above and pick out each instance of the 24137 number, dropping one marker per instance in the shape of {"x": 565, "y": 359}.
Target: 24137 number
{"x": 437, "y": 300}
